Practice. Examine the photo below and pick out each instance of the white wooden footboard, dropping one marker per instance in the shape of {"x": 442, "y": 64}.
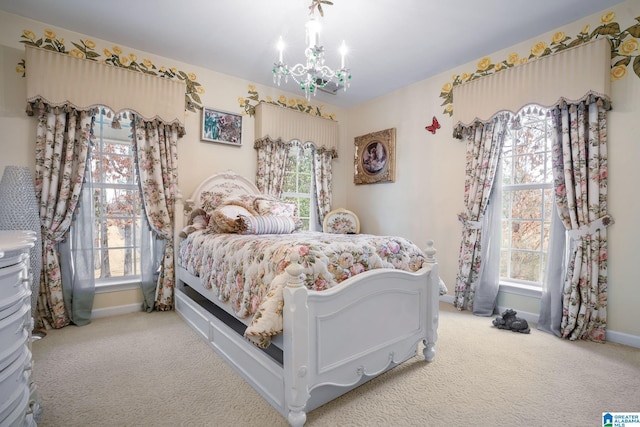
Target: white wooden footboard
{"x": 351, "y": 333}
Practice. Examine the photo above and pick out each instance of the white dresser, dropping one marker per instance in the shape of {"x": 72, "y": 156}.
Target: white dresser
{"x": 19, "y": 404}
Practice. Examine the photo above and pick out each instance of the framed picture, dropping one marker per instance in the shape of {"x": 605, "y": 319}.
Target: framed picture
{"x": 375, "y": 157}
{"x": 221, "y": 126}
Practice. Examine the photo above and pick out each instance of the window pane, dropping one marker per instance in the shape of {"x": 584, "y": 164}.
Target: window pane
{"x": 526, "y": 204}
{"x": 548, "y": 204}
{"x": 529, "y": 168}
{"x": 525, "y": 266}
{"x": 123, "y": 202}
{"x": 504, "y": 263}
{"x": 304, "y": 183}
{"x": 507, "y": 172}
{"x": 506, "y": 203}
{"x": 526, "y": 235}
{"x": 117, "y": 263}
{"x": 506, "y": 234}
{"x": 304, "y": 207}
{"x": 289, "y": 183}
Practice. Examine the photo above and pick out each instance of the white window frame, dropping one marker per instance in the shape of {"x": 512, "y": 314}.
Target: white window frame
{"x": 522, "y": 287}
{"x": 132, "y": 281}
{"x": 313, "y": 214}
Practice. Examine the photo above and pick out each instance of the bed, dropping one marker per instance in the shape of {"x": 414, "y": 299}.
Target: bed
{"x": 330, "y": 340}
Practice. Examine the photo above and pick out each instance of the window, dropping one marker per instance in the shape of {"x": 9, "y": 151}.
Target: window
{"x": 298, "y": 184}
{"x": 527, "y": 198}
{"x": 117, "y": 202}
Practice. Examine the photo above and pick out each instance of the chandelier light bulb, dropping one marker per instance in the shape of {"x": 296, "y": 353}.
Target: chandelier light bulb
{"x": 280, "y": 48}
{"x": 343, "y": 52}
{"x": 313, "y": 33}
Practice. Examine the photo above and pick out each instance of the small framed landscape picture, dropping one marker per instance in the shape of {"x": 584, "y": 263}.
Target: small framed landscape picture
{"x": 221, "y": 126}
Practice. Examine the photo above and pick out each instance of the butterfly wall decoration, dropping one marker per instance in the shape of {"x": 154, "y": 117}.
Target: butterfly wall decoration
{"x": 435, "y": 125}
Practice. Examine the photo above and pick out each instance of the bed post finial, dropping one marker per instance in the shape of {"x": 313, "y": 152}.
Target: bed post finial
{"x": 430, "y": 252}
{"x": 294, "y": 270}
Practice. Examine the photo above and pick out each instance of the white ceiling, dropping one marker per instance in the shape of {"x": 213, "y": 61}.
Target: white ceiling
{"x": 392, "y": 43}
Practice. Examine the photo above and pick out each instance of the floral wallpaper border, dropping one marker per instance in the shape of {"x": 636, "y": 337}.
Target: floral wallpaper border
{"x": 624, "y": 54}
{"x": 249, "y": 103}
{"x": 86, "y": 49}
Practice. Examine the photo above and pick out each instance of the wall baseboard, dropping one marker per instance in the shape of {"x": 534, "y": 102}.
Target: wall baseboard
{"x": 622, "y": 338}
{"x": 115, "y": 310}
{"x": 611, "y": 336}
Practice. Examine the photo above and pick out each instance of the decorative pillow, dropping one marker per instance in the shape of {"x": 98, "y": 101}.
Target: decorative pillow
{"x": 224, "y": 219}
{"x": 268, "y": 205}
{"x": 342, "y": 223}
{"x": 266, "y": 224}
{"x": 210, "y": 201}
{"x": 273, "y": 206}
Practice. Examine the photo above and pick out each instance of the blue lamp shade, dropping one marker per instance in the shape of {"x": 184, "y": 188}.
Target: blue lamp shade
{"x": 19, "y": 211}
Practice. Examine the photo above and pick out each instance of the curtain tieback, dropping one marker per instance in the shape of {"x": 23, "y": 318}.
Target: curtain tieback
{"x": 592, "y": 227}
{"x": 468, "y": 224}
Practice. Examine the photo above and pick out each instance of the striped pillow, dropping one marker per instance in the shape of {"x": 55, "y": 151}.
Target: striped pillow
{"x": 266, "y": 224}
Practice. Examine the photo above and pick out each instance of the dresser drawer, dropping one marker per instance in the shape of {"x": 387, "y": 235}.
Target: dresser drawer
{"x": 16, "y": 405}
{"x": 12, "y": 327}
{"x": 15, "y": 376}
{"x": 18, "y": 412}
{"x": 11, "y": 352}
{"x": 10, "y": 305}
{"x": 13, "y": 280}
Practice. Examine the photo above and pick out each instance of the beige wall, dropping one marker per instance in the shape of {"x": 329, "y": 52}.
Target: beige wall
{"x": 426, "y": 197}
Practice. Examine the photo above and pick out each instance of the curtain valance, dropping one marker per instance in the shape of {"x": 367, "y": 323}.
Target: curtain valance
{"x": 59, "y": 79}
{"x": 284, "y": 123}
{"x": 571, "y": 75}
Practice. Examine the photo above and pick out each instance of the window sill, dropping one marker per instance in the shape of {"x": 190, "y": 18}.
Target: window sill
{"x": 116, "y": 285}
{"x": 520, "y": 289}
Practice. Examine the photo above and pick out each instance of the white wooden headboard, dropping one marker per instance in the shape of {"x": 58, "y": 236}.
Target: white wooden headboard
{"x": 228, "y": 182}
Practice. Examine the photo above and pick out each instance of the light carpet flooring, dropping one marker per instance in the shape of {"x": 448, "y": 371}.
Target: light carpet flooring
{"x": 151, "y": 369}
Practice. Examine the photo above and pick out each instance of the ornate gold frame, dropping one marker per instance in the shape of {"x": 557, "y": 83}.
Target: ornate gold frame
{"x": 375, "y": 157}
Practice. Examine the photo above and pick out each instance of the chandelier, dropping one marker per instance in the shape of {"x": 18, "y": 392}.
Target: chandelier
{"x": 313, "y": 75}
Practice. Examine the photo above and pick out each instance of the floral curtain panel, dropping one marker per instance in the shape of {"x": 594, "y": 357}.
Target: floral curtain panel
{"x": 322, "y": 160}
{"x": 156, "y": 146}
{"x": 484, "y": 144}
{"x": 62, "y": 146}
{"x": 580, "y": 182}
{"x": 272, "y": 161}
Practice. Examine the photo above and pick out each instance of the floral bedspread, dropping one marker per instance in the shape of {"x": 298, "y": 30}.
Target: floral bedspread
{"x": 245, "y": 270}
